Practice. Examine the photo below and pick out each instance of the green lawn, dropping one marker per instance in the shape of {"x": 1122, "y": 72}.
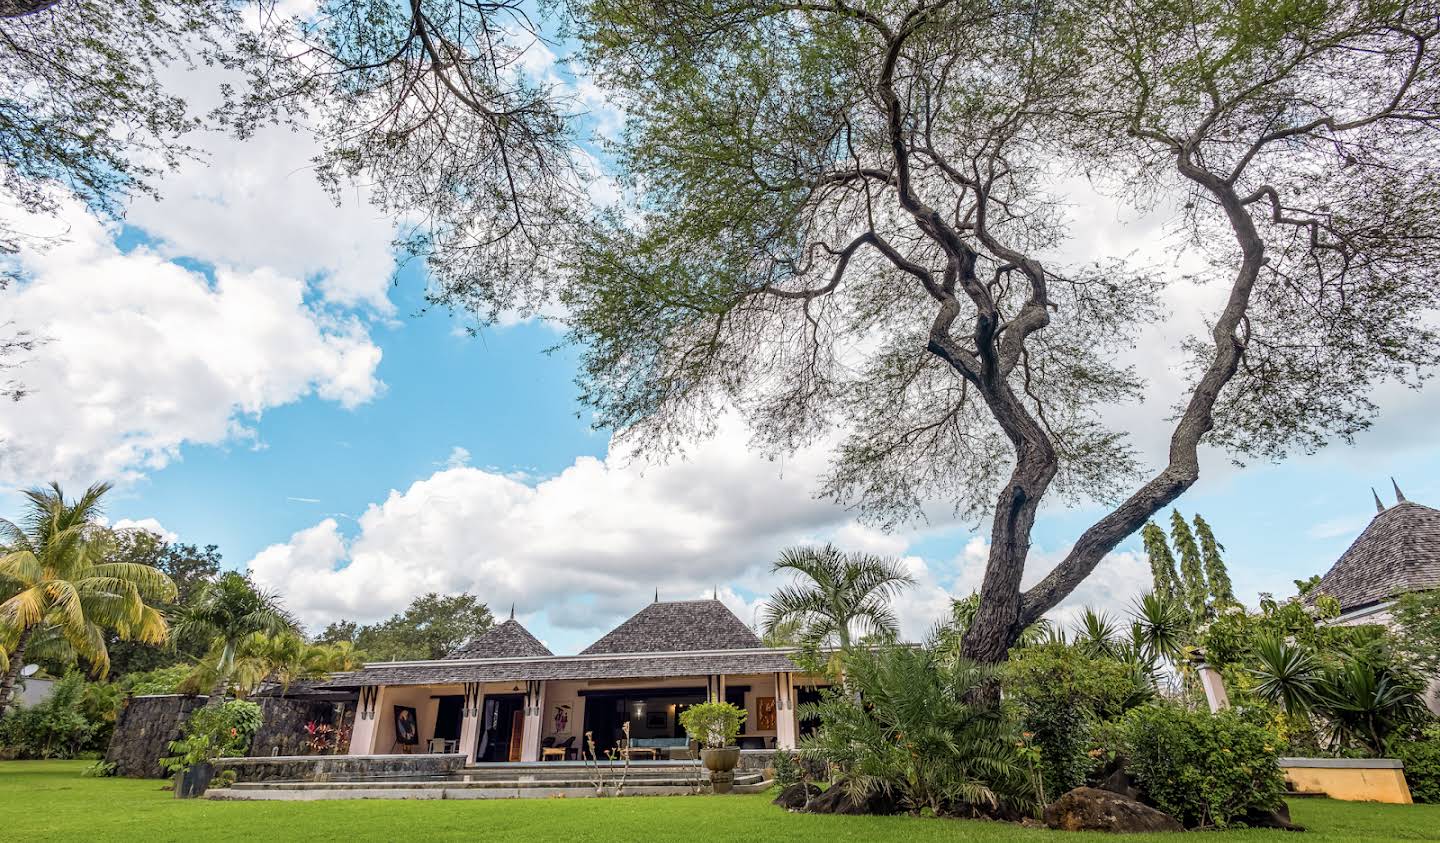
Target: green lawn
{"x": 49, "y": 800}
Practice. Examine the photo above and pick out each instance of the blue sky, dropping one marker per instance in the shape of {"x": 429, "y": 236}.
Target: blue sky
{"x": 242, "y": 362}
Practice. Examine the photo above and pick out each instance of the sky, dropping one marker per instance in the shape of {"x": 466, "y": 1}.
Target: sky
{"x": 244, "y": 361}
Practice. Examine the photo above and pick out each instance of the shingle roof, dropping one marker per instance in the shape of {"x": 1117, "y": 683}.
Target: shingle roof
{"x": 1398, "y": 552}
{"x": 678, "y": 626}
{"x": 508, "y": 640}
{"x": 642, "y": 666}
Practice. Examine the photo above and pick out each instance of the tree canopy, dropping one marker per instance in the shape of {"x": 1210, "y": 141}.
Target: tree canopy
{"x": 847, "y": 219}
{"x": 431, "y": 627}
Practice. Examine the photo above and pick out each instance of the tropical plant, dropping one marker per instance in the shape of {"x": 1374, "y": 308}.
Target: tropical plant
{"x": 1097, "y": 635}
{"x": 214, "y": 731}
{"x": 1162, "y": 562}
{"x": 1162, "y": 627}
{"x": 1364, "y": 705}
{"x": 1216, "y": 576}
{"x": 1421, "y": 756}
{"x": 714, "y": 724}
{"x": 836, "y": 594}
{"x": 1417, "y": 618}
{"x": 1203, "y": 769}
{"x": 1193, "y": 587}
{"x": 947, "y": 636}
{"x": 55, "y": 580}
{"x": 56, "y": 727}
{"x": 228, "y": 610}
{"x": 1288, "y": 676}
{"x": 919, "y": 732}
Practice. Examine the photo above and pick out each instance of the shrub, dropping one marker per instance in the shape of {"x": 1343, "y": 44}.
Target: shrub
{"x": 787, "y": 768}
{"x": 714, "y": 724}
{"x": 922, "y": 736}
{"x": 1062, "y": 693}
{"x": 1203, "y": 769}
{"x": 214, "y": 731}
{"x": 1422, "y": 764}
{"x": 54, "y": 728}
{"x": 162, "y": 680}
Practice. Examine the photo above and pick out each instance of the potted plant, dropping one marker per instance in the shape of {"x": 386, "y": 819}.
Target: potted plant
{"x": 715, "y": 725}
{"x": 212, "y": 732}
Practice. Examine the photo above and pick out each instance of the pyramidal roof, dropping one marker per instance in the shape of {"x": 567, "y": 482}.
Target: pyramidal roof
{"x": 1398, "y": 552}
{"x": 678, "y": 626}
{"x": 508, "y": 640}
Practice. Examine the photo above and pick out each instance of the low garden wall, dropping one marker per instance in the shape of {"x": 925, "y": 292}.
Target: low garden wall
{"x": 143, "y": 731}
{"x": 1349, "y": 779}
{"x": 319, "y": 768}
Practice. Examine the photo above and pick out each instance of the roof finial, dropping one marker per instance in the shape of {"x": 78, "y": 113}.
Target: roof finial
{"x": 1379, "y": 507}
{"x": 512, "y": 611}
{"x": 657, "y": 594}
{"x": 1399, "y": 495}
{"x": 715, "y": 592}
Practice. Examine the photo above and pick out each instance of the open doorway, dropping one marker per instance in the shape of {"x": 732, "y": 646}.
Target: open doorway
{"x": 502, "y": 725}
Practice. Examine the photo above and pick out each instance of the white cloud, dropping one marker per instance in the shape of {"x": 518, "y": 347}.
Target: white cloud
{"x": 586, "y": 546}
{"x": 149, "y": 525}
{"x": 143, "y": 355}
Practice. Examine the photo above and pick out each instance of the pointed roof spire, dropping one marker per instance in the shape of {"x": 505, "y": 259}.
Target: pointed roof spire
{"x": 715, "y": 592}
{"x": 512, "y": 611}
{"x": 1379, "y": 507}
{"x": 1399, "y": 495}
{"x": 657, "y": 594}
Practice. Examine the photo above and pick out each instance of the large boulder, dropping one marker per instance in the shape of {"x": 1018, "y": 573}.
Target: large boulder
{"x": 1092, "y": 809}
{"x": 837, "y": 800}
{"x": 794, "y": 797}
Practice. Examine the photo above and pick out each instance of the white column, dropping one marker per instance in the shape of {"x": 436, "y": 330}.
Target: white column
{"x": 1214, "y": 687}
{"x": 470, "y": 711}
{"x": 786, "y": 727}
{"x": 534, "y": 721}
{"x": 367, "y": 708}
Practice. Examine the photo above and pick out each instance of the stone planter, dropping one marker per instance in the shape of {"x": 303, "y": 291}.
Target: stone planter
{"x": 191, "y": 782}
{"x": 721, "y": 764}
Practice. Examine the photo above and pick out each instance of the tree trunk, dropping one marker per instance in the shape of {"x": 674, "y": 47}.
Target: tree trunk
{"x": 217, "y": 694}
{"x": 17, "y": 659}
{"x": 20, "y": 8}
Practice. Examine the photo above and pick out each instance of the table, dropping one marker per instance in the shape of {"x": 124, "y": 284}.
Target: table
{"x": 548, "y": 752}
{"x": 648, "y": 752}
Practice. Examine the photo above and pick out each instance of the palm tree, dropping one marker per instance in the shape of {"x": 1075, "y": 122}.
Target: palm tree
{"x": 228, "y": 610}
{"x": 836, "y": 594}
{"x": 54, "y": 580}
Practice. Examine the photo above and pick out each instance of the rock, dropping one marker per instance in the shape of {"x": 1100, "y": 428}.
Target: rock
{"x": 1119, "y": 781}
{"x": 1092, "y": 809}
{"x": 794, "y": 797}
{"x": 1278, "y": 818}
{"x": 836, "y": 800}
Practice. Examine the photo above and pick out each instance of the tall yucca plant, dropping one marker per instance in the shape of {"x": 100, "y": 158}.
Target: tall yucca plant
{"x": 54, "y": 577}
{"x": 836, "y": 595}
{"x": 1287, "y": 675}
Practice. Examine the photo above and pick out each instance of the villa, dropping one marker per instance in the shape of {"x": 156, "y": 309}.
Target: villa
{"x": 504, "y": 697}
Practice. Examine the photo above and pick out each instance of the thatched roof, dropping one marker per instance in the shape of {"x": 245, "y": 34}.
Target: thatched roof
{"x": 1398, "y": 552}
{"x": 678, "y": 626}
{"x": 508, "y": 640}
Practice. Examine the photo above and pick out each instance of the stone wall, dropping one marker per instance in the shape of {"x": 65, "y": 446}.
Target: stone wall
{"x": 757, "y": 760}
{"x": 319, "y": 768}
{"x": 282, "y": 724}
{"x": 143, "y": 731}
{"x": 147, "y": 724}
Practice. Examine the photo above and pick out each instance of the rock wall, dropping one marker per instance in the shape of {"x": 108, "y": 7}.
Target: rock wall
{"x": 146, "y": 725}
{"x": 143, "y": 731}
{"x": 283, "y": 721}
{"x": 319, "y": 768}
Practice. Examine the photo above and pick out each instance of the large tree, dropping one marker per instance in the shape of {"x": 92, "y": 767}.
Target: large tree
{"x": 56, "y": 580}
{"x": 189, "y": 567}
{"x": 848, "y": 218}
{"x": 431, "y": 627}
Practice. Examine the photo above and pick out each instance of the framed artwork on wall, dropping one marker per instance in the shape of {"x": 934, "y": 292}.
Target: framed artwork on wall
{"x": 764, "y": 713}
{"x": 657, "y": 719}
{"x": 407, "y": 726}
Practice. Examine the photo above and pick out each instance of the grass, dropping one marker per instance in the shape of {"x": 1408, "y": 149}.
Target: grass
{"x": 49, "y": 800}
